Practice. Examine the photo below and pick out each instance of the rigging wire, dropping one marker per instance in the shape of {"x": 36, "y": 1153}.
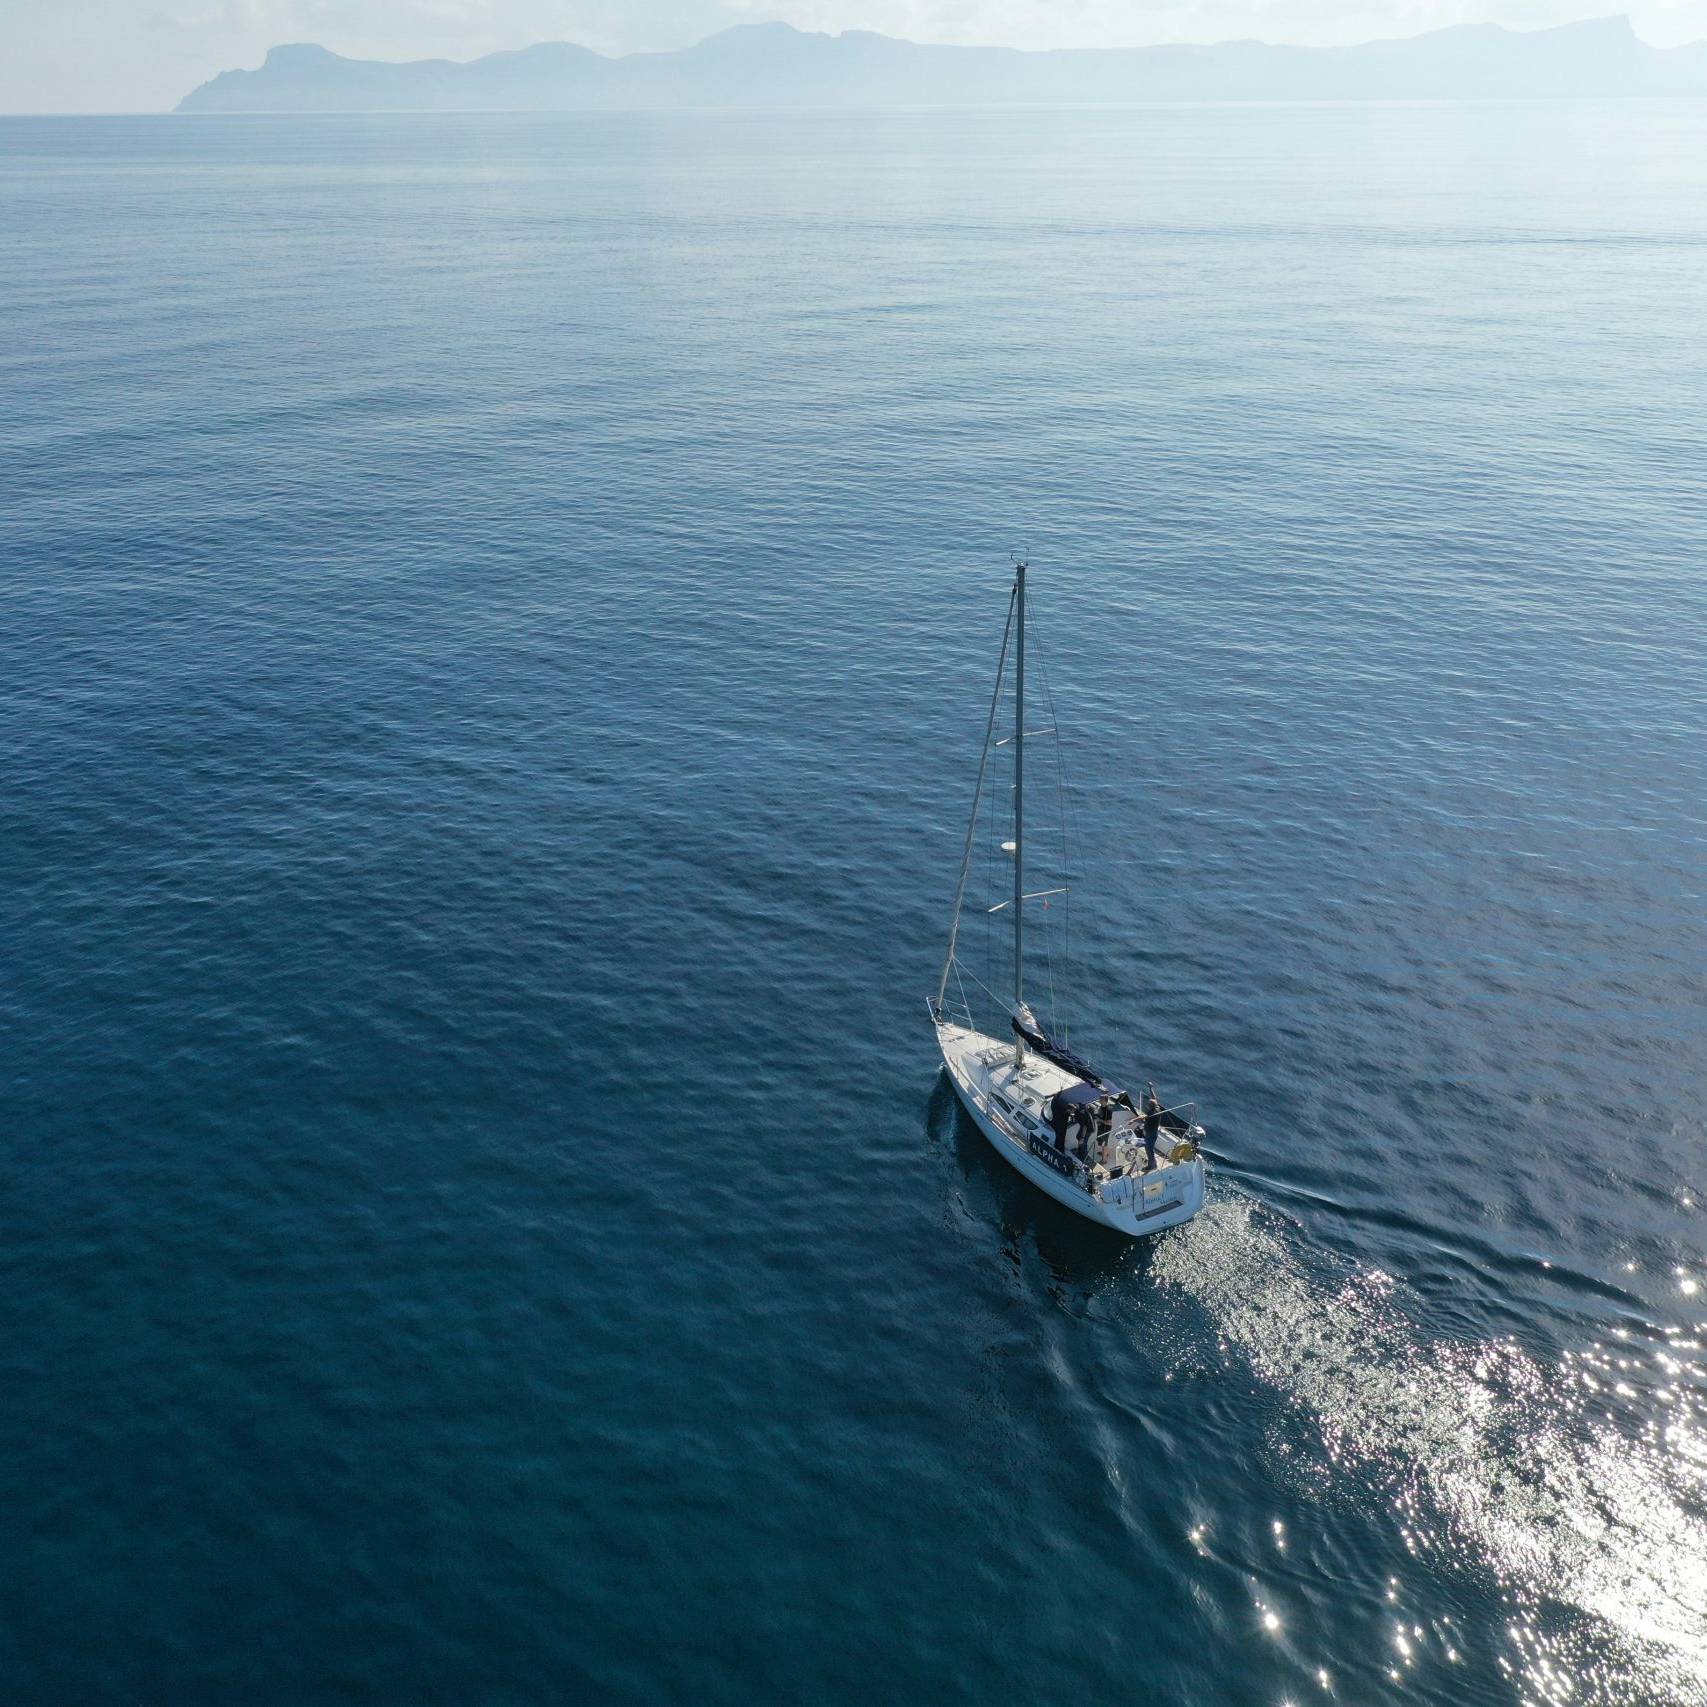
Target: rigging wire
{"x": 989, "y": 918}
{"x": 1063, "y": 808}
{"x": 977, "y": 793}
{"x": 990, "y": 823}
{"x": 994, "y": 828}
{"x": 994, "y": 998}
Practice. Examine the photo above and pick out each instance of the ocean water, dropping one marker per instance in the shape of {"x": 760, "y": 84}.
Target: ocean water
{"x": 497, "y": 621}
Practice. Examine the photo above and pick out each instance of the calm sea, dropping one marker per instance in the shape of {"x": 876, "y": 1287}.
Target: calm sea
{"x": 496, "y": 615}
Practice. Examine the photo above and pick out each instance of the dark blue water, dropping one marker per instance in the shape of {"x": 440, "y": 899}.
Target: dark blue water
{"x": 497, "y": 616}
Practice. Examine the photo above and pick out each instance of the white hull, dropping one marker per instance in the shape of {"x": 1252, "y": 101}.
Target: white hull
{"x": 1005, "y": 1107}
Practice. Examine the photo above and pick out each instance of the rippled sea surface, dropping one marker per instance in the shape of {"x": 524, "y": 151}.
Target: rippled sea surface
{"x": 496, "y": 617}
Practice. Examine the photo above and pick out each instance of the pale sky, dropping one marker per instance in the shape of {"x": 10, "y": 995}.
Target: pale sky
{"x": 142, "y": 55}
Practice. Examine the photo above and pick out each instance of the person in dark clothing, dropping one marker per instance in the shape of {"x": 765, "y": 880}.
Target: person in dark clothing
{"x": 1152, "y": 1126}
{"x": 1058, "y": 1117}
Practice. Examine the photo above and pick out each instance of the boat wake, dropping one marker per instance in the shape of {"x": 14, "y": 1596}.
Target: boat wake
{"x": 1578, "y": 1486}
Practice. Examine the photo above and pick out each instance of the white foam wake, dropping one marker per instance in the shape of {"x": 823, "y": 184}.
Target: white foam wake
{"x": 1498, "y": 1458}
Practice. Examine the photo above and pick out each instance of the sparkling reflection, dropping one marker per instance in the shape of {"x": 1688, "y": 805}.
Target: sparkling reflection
{"x": 1581, "y": 1486}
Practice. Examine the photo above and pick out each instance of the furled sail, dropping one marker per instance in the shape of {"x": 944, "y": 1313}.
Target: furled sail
{"x": 1033, "y": 1037}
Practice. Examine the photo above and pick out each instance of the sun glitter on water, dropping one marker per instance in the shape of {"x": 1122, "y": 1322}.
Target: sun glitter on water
{"x": 1492, "y": 1460}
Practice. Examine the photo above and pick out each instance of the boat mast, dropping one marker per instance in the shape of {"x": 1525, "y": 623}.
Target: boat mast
{"x": 1019, "y": 804}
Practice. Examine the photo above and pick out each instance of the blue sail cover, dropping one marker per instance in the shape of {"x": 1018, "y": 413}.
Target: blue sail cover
{"x": 1064, "y": 1057}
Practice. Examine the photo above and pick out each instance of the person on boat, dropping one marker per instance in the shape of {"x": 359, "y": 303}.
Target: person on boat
{"x": 1102, "y": 1126}
{"x": 1058, "y": 1122}
{"x": 1152, "y": 1126}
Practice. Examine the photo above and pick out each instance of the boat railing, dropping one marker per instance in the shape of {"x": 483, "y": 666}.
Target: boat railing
{"x": 1181, "y": 1119}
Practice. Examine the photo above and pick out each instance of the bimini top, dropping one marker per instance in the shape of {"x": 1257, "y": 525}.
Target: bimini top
{"x": 1065, "y": 1104}
{"x": 1078, "y": 1096}
{"x": 1095, "y": 1084}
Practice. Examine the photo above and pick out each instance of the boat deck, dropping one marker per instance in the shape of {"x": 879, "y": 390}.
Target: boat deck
{"x": 1017, "y": 1098}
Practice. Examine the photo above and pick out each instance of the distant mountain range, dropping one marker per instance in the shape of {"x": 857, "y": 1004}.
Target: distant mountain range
{"x": 775, "y": 65}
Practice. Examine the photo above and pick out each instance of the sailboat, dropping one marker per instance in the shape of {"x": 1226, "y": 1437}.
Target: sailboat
{"x": 1124, "y": 1162}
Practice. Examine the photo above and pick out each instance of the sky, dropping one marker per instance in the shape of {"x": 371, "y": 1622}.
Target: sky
{"x": 95, "y": 56}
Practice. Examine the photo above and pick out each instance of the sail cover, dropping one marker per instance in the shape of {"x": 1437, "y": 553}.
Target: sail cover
{"x": 1062, "y": 1056}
